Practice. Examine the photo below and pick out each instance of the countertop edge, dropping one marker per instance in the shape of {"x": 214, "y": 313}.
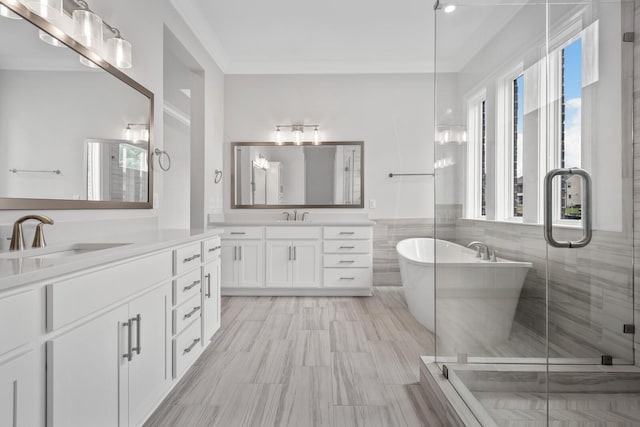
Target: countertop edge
{"x": 95, "y": 259}
{"x": 366, "y": 223}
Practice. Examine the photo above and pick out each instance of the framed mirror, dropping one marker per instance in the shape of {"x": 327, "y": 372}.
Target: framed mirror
{"x": 266, "y": 175}
{"x": 75, "y": 132}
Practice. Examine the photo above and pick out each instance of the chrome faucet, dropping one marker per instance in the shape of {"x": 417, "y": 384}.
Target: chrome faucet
{"x": 17, "y": 237}
{"x": 304, "y": 215}
{"x": 287, "y": 214}
{"x": 487, "y": 255}
{"x": 295, "y": 214}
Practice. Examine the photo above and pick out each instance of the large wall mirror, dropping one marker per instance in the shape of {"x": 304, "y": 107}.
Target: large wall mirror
{"x": 270, "y": 176}
{"x": 72, "y": 135}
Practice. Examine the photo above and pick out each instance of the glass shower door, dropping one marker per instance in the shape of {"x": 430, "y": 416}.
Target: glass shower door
{"x": 529, "y": 90}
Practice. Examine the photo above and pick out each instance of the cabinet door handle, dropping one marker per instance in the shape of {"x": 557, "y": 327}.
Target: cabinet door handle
{"x": 193, "y": 344}
{"x": 289, "y": 253}
{"x": 240, "y": 253}
{"x": 235, "y": 253}
{"x": 129, "y": 354}
{"x": 191, "y": 258}
{"x": 195, "y": 283}
{"x": 295, "y": 253}
{"x": 208, "y": 294}
{"x": 347, "y": 232}
{"x": 138, "y": 320}
{"x": 344, "y": 261}
{"x": 347, "y": 247}
{"x": 192, "y": 312}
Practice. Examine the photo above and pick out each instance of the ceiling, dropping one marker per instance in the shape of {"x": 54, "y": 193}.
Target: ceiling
{"x": 337, "y": 36}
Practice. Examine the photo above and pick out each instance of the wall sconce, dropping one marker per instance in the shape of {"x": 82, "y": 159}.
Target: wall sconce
{"x": 136, "y": 132}
{"x": 85, "y": 26}
{"x": 297, "y": 132}
{"x": 451, "y": 134}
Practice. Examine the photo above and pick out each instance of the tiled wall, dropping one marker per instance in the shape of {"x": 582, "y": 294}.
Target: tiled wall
{"x": 636, "y": 167}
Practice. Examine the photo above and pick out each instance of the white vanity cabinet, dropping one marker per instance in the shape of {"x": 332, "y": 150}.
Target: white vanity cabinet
{"x": 293, "y": 263}
{"x": 110, "y": 370}
{"x": 242, "y": 257}
{"x": 17, "y": 391}
{"x": 211, "y": 289}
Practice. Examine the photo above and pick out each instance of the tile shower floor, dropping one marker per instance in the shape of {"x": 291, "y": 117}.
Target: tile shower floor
{"x": 296, "y": 361}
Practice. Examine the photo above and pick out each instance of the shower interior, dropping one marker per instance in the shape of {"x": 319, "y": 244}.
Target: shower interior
{"x": 536, "y": 86}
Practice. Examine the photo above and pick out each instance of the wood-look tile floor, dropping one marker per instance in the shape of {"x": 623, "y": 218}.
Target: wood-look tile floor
{"x": 317, "y": 361}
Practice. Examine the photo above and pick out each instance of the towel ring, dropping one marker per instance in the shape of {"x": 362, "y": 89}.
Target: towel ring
{"x": 158, "y": 152}
{"x": 217, "y": 177}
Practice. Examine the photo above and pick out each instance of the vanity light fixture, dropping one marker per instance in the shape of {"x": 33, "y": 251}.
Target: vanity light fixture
{"x": 136, "y": 132}
{"x": 450, "y": 134}
{"x": 297, "y": 133}
{"x": 51, "y": 10}
{"x": 450, "y": 8}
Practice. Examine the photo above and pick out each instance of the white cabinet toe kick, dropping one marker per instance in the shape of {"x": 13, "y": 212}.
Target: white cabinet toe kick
{"x": 297, "y": 261}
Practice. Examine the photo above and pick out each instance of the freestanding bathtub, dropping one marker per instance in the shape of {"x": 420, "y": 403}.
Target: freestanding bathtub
{"x": 473, "y": 300}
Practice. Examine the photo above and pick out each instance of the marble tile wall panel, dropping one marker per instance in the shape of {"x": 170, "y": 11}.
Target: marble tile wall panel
{"x": 636, "y": 169}
{"x": 590, "y": 292}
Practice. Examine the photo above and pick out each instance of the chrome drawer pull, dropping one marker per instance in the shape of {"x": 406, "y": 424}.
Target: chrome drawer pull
{"x": 187, "y": 288}
{"x": 192, "y": 312}
{"x": 347, "y": 247}
{"x": 191, "y": 258}
{"x": 347, "y": 232}
{"x": 214, "y": 249}
{"x": 138, "y": 347}
{"x": 347, "y": 278}
{"x": 345, "y": 262}
{"x": 208, "y": 294}
{"x": 193, "y": 344}
{"x": 238, "y": 232}
{"x": 129, "y": 354}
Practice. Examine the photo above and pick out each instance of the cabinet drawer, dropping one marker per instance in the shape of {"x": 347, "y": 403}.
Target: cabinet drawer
{"x": 242, "y": 233}
{"x": 347, "y": 232}
{"x": 186, "y": 348}
{"x": 187, "y": 313}
{"x": 211, "y": 249}
{"x": 186, "y": 286}
{"x": 186, "y": 257}
{"x": 17, "y": 317}
{"x": 347, "y": 277}
{"x": 347, "y": 247}
{"x": 293, "y": 232}
{"x": 347, "y": 260}
{"x": 100, "y": 288}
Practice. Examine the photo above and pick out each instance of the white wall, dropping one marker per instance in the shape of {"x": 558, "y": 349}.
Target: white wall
{"x": 391, "y": 113}
{"x": 141, "y": 22}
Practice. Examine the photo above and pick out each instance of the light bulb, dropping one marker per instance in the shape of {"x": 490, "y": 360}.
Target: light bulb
{"x": 48, "y": 9}
{"x": 88, "y": 28}
{"x": 7, "y": 13}
{"x": 450, "y": 8}
{"x": 316, "y": 136}
{"x": 278, "y": 136}
{"x": 87, "y": 62}
{"x": 49, "y": 39}
{"x": 297, "y": 137}
{"x": 127, "y": 133}
{"x": 119, "y": 51}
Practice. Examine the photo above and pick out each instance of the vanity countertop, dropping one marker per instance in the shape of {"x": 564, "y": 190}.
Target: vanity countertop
{"x": 17, "y": 270}
{"x": 310, "y": 223}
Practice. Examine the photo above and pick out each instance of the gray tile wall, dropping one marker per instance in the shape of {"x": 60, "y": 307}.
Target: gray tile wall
{"x": 636, "y": 167}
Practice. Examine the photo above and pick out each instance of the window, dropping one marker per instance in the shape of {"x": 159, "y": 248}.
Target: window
{"x": 570, "y": 150}
{"x": 517, "y": 185}
{"x": 477, "y": 159}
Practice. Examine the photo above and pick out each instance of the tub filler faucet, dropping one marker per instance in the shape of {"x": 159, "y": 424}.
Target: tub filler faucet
{"x": 487, "y": 254}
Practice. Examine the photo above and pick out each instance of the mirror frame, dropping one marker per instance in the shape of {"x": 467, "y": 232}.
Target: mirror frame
{"x": 7, "y": 203}
{"x": 234, "y": 205}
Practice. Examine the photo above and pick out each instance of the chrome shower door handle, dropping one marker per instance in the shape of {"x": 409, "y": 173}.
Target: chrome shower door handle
{"x": 587, "y": 211}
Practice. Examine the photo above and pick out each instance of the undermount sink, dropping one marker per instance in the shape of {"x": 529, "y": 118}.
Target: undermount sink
{"x": 60, "y": 251}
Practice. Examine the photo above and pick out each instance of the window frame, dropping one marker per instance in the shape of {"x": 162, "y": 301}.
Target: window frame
{"x": 474, "y": 154}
